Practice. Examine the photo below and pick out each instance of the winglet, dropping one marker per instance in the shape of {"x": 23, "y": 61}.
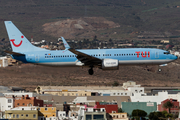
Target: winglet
{"x": 66, "y": 45}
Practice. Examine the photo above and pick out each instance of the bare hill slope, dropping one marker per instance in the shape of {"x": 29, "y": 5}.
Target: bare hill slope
{"x": 82, "y": 27}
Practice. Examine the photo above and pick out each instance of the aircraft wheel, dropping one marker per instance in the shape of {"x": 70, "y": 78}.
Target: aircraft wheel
{"x": 91, "y": 71}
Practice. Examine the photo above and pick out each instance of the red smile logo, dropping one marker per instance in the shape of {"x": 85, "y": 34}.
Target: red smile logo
{"x": 16, "y": 45}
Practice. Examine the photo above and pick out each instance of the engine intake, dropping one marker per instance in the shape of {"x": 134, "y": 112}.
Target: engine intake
{"x": 110, "y": 64}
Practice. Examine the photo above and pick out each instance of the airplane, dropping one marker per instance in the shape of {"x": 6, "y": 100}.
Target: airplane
{"x": 105, "y": 59}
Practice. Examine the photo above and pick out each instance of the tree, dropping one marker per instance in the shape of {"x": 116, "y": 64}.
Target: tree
{"x": 115, "y": 83}
{"x": 159, "y": 115}
{"x": 168, "y": 105}
{"x": 120, "y": 110}
{"x": 138, "y": 113}
{"x": 155, "y": 115}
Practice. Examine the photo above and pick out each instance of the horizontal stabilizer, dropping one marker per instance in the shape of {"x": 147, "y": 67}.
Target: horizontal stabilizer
{"x": 14, "y": 53}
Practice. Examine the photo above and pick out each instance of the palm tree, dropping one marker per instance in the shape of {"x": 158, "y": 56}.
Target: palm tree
{"x": 168, "y": 105}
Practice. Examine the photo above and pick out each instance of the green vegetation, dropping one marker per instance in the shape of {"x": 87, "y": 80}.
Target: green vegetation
{"x": 137, "y": 114}
{"x": 115, "y": 83}
{"x": 120, "y": 110}
{"x": 160, "y": 115}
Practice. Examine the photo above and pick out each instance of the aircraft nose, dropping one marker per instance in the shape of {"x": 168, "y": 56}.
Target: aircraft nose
{"x": 174, "y": 57}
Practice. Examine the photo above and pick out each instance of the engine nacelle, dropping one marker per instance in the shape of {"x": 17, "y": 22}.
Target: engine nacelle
{"x": 110, "y": 64}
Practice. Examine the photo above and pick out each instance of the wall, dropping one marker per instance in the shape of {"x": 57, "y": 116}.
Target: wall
{"x": 47, "y": 111}
{"x": 22, "y": 114}
{"x": 146, "y": 106}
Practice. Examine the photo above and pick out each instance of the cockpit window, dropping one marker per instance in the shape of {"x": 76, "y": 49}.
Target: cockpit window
{"x": 166, "y": 53}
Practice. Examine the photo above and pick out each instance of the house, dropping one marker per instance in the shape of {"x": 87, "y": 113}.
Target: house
{"x": 22, "y": 113}
{"x": 174, "y": 109}
{"x": 109, "y": 106}
{"x": 61, "y": 115}
{"x": 28, "y": 101}
{"x": 46, "y": 112}
{"x": 91, "y": 113}
{"x": 6, "y": 103}
{"x": 3, "y": 62}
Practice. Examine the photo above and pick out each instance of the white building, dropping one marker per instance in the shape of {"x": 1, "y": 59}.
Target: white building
{"x": 3, "y": 62}
{"x": 82, "y": 100}
{"x": 73, "y": 115}
{"x": 138, "y": 97}
{"x": 20, "y": 94}
{"x": 52, "y": 118}
{"x": 174, "y": 96}
{"x": 91, "y": 113}
{"x": 6, "y": 103}
{"x": 61, "y": 115}
{"x": 25, "y": 108}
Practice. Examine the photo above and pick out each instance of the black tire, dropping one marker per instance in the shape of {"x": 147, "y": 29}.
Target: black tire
{"x": 91, "y": 71}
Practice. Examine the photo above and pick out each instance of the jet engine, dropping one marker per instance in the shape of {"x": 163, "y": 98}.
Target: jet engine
{"x": 110, "y": 64}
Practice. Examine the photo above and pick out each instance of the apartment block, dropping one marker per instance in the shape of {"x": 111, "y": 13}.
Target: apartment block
{"x": 28, "y": 101}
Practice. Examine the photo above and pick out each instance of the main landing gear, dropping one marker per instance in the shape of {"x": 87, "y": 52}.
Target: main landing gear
{"x": 91, "y": 71}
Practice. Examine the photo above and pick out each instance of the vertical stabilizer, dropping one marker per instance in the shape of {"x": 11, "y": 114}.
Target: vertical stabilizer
{"x": 66, "y": 45}
{"x": 19, "y": 42}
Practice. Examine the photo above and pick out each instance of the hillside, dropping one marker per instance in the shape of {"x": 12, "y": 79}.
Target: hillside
{"x": 132, "y": 15}
{"x": 79, "y": 28}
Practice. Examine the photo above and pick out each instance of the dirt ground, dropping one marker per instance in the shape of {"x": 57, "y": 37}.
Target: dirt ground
{"x": 30, "y": 76}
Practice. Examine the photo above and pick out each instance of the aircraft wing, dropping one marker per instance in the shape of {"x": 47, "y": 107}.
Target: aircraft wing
{"x": 85, "y": 58}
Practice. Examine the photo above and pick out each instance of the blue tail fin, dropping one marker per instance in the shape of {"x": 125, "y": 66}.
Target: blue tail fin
{"x": 19, "y": 42}
{"x": 66, "y": 45}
